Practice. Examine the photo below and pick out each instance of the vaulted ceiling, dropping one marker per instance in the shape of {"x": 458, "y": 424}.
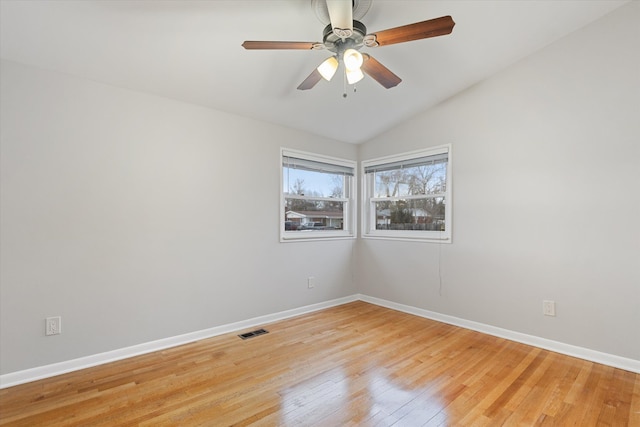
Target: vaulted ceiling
{"x": 191, "y": 51}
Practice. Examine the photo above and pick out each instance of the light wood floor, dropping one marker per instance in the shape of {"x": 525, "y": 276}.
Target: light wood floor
{"x": 357, "y": 364}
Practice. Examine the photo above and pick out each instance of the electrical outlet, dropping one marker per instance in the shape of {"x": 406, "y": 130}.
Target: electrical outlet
{"x": 549, "y": 308}
{"x": 53, "y": 325}
{"x": 311, "y": 282}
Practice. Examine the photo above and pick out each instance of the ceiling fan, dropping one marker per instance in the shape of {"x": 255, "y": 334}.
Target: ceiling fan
{"x": 345, "y": 36}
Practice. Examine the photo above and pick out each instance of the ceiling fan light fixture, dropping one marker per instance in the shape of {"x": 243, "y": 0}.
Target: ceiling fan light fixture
{"x": 328, "y": 68}
{"x": 354, "y": 76}
{"x": 352, "y": 60}
{"x": 344, "y": 36}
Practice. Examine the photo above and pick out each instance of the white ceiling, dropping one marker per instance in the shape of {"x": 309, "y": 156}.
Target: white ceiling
{"x": 190, "y": 51}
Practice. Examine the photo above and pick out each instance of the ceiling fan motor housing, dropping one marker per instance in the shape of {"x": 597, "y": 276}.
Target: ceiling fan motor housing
{"x": 338, "y": 45}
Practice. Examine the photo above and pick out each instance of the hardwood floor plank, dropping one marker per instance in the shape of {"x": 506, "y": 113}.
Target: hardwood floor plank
{"x": 634, "y": 417}
{"x": 353, "y": 365}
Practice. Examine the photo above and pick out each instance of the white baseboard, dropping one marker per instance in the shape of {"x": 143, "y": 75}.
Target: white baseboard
{"x": 631, "y": 365}
{"x": 41, "y": 372}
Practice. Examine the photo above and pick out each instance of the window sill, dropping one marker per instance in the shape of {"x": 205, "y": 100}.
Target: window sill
{"x": 408, "y": 238}
{"x": 312, "y": 236}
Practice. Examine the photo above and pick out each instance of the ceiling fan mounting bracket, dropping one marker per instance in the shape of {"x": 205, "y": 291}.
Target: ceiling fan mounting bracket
{"x": 370, "y": 40}
{"x": 343, "y": 33}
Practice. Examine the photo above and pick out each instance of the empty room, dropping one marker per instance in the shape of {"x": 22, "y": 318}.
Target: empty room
{"x": 320, "y": 213}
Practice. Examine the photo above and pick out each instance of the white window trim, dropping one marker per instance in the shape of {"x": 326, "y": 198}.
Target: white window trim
{"x": 366, "y": 220}
{"x": 349, "y": 222}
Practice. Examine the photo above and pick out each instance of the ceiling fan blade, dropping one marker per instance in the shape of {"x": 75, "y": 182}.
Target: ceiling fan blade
{"x": 341, "y": 16}
{"x": 279, "y": 45}
{"x": 311, "y": 81}
{"x": 379, "y": 72}
{"x": 419, "y": 30}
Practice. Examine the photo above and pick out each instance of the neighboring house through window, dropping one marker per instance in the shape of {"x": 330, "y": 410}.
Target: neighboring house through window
{"x": 317, "y": 197}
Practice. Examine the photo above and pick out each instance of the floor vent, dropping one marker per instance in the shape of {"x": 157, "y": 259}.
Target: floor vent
{"x": 252, "y": 334}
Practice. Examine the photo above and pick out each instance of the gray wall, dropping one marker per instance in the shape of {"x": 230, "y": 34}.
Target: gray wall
{"x": 137, "y": 218}
{"x": 546, "y": 185}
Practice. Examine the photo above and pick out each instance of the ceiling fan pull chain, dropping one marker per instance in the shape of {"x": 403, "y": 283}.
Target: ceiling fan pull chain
{"x": 344, "y": 84}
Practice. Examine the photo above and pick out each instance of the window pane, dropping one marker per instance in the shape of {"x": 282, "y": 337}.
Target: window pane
{"x": 416, "y": 180}
{"x": 313, "y": 215}
{"x": 406, "y": 196}
{"x": 313, "y": 183}
{"x": 415, "y": 214}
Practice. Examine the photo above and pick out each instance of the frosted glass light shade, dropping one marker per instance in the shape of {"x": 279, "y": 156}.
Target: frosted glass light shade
{"x": 328, "y": 68}
{"x": 354, "y": 76}
{"x": 352, "y": 59}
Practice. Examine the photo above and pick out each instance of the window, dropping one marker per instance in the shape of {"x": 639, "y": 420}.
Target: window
{"x": 317, "y": 197}
{"x": 408, "y": 196}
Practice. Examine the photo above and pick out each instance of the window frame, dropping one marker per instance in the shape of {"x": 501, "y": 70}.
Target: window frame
{"x": 349, "y": 230}
{"x": 368, "y": 220}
